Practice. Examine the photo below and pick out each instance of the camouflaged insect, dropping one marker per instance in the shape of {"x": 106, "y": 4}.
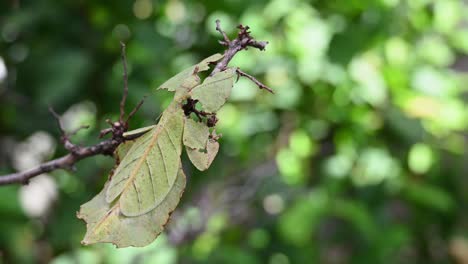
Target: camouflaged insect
{"x": 148, "y": 182}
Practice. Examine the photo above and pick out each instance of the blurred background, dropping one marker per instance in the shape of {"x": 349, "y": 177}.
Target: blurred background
{"x": 359, "y": 157}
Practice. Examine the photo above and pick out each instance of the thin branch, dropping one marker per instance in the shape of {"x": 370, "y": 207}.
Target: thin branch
{"x": 106, "y": 147}
{"x": 57, "y": 118}
{"x": 137, "y": 107}
{"x": 65, "y": 138}
{"x": 125, "y": 78}
{"x": 74, "y": 132}
{"x": 226, "y": 41}
{"x": 77, "y": 153}
{"x": 253, "y": 79}
{"x": 105, "y": 132}
{"x": 241, "y": 42}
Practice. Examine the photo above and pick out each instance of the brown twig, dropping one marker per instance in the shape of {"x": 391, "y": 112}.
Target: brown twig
{"x": 105, "y": 132}
{"x": 125, "y": 78}
{"x": 241, "y": 42}
{"x": 253, "y": 79}
{"x": 137, "y": 107}
{"x": 62, "y": 129}
{"x": 64, "y": 136}
{"x": 106, "y": 147}
{"x": 226, "y": 41}
{"x": 57, "y": 118}
{"x": 74, "y": 132}
{"x": 78, "y": 153}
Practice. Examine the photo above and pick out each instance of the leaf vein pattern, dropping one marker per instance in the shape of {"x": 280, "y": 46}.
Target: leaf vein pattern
{"x": 170, "y": 139}
{"x": 142, "y": 158}
{"x": 164, "y": 163}
{"x": 138, "y": 195}
{"x": 150, "y": 174}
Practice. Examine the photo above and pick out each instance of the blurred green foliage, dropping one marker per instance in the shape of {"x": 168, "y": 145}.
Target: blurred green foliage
{"x": 367, "y": 127}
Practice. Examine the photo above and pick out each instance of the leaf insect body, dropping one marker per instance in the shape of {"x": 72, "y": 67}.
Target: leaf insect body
{"x": 146, "y": 186}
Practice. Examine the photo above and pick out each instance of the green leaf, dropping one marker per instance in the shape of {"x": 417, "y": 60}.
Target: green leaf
{"x": 173, "y": 83}
{"x": 195, "y": 134}
{"x": 148, "y": 171}
{"x": 214, "y": 90}
{"x": 106, "y": 222}
{"x": 202, "y": 158}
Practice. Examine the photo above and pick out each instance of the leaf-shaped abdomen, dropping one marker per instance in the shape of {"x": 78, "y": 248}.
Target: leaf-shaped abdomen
{"x": 148, "y": 171}
{"x": 106, "y": 223}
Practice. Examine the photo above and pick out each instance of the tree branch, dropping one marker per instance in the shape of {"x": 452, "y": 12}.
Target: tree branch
{"x": 77, "y": 152}
{"x": 106, "y": 147}
{"x": 125, "y": 78}
{"x": 226, "y": 41}
{"x": 241, "y": 42}
{"x": 137, "y": 107}
{"x": 253, "y": 79}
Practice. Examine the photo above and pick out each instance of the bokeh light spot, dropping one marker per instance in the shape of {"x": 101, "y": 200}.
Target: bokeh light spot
{"x": 3, "y": 70}
{"x": 420, "y": 158}
{"x": 279, "y": 258}
{"x": 176, "y": 12}
{"x": 273, "y": 204}
{"x": 142, "y": 8}
{"x": 121, "y": 32}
